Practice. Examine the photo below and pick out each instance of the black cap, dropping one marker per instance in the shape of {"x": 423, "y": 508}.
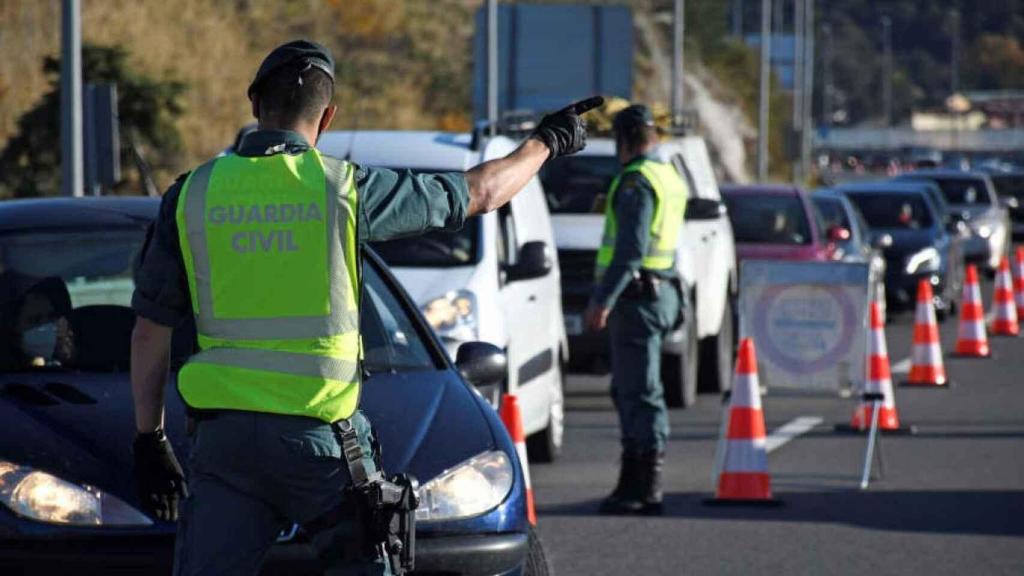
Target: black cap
{"x": 632, "y": 117}
{"x": 298, "y": 52}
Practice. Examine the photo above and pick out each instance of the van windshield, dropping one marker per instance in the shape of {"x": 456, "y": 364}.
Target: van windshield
{"x": 439, "y": 249}
{"x": 894, "y": 211}
{"x": 575, "y": 184}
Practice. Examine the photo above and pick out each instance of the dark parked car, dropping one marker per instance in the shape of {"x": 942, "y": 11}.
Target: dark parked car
{"x": 67, "y": 499}
{"x": 972, "y": 197}
{"x": 779, "y": 223}
{"x": 862, "y": 246}
{"x": 1010, "y": 188}
{"x": 923, "y": 244}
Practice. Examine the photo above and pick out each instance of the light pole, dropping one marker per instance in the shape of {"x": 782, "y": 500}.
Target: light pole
{"x": 766, "y": 56}
{"x": 492, "y": 67}
{"x": 71, "y": 154}
{"x": 808, "y": 93}
{"x": 887, "y": 70}
{"x": 678, "y": 29}
{"x": 827, "y": 88}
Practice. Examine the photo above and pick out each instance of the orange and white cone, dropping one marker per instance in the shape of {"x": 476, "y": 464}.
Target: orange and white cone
{"x": 1018, "y": 282}
{"x": 972, "y": 339}
{"x": 744, "y": 475}
{"x": 879, "y": 380}
{"x": 513, "y": 420}
{"x": 1004, "y": 322}
{"x": 926, "y": 368}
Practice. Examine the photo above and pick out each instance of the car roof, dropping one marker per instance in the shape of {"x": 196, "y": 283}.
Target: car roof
{"x": 942, "y": 173}
{"x": 888, "y": 186}
{"x": 598, "y": 147}
{"x": 425, "y": 150}
{"x": 760, "y": 189}
{"x": 63, "y": 212}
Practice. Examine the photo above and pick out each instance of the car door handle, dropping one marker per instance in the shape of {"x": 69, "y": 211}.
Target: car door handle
{"x": 532, "y": 298}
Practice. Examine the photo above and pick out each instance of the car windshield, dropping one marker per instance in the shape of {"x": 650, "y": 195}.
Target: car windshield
{"x": 439, "y": 249}
{"x": 1009, "y": 185}
{"x": 64, "y": 296}
{"x": 963, "y": 191}
{"x": 434, "y": 249}
{"x": 576, "y": 184}
{"x": 768, "y": 218}
{"x": 896, "y": 211}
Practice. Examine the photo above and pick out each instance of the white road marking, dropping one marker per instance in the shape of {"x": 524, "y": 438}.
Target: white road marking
{"x": 901, "y": 367}
{"x": 791, "y": 430}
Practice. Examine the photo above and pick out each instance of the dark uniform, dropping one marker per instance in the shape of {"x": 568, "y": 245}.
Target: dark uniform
{"x": 639, "y": 285}
{"x": 239, "y": 497}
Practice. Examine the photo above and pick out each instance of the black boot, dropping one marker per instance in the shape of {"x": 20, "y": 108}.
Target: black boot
{"x": 625, "y": 488}
{"x": 641, "y": 490}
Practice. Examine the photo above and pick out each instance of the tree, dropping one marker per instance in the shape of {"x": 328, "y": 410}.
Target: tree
{"x": 148, "y": 109}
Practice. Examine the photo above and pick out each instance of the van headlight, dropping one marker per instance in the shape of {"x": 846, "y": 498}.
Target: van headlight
{"x": 453, "y": 316}
{"x": 44, "y": 497}
{"x": 925, "y": 260}
{"x": 469, "y": 489}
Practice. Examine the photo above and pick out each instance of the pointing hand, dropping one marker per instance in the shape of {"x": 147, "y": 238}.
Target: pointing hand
{"x": 564, "y": 132}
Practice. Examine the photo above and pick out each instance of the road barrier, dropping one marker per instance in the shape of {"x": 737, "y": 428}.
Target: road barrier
{"x": 513, "y": 420}
{"x": 744, "y": 476}
{"x": 972, "y": 340}
{"x": 1018, "y": 282}
{"x": 1004, "y": 322}
{"x": 926, "y": 368}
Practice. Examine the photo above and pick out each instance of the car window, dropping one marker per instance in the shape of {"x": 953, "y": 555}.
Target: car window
{"x": 897, "y": 211}
{"x": 768, "y": 218}
{"x": 391, "y": 342}
{"x": 64, "y": 299}
{"x": 1009, "y": 185}
{"x": 963, "y": 191}
{"x": 576, "y": 184}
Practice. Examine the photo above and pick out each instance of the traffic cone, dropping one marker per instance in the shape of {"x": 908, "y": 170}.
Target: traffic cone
{"x": 1004, "y": 322}
{"x": 1018, "y": 282}
{"x": 926, "y": 368}
{"x": 513, "y": 420}
{"x": 879, "y": 380}
{"x": 744, "y": 475}
{"x": 971, "y": 340}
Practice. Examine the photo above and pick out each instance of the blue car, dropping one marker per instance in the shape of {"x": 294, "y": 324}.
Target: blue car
{"x": 924, "y": 243}
{"x": 67, "y": 496}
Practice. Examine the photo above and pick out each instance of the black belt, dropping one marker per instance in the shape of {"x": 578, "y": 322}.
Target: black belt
{"x": 645, "y": 285}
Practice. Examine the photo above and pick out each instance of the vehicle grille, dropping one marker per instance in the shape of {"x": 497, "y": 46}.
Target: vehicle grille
{"x": 577, "y": 267}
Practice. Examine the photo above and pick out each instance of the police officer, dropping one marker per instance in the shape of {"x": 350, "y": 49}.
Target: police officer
{"x": 261, "y": 248}
{"x": 638, "y": 297}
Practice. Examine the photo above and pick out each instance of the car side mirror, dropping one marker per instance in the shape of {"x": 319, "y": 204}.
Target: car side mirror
{"x": 838, "y": 234}
{"x": 882, "y": 241}
{"x": 704, "y": 209}
{"x": 534, "y": 262}
{"x": 481, "y": 363}
{"x": 1009, "y": 202}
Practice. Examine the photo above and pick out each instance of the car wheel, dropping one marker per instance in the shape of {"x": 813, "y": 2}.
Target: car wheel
{"x": 545, "y": 445}
{"x": 716, "y": 355}
{"x": 679, "y": 371}
{"x": 536, "y": 561}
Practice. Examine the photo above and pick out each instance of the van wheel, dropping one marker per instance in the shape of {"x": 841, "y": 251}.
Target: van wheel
{"x": 716, "y": 355}
{"x": 679, "y": 371}
{"x": 545, "y": 445}
{"x": 536, "y": 561}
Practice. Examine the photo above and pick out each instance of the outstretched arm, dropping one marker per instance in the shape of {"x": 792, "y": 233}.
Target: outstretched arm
{"x": 492, "y": 184}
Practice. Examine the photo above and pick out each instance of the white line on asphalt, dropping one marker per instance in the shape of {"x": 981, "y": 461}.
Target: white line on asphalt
{"x": 901, "y": 367}
{"x": 791, "y": 430}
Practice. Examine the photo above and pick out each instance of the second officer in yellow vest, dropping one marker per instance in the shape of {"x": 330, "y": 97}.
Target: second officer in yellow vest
{"x": 637, "y": 297}
{"x": 261, "y": 248}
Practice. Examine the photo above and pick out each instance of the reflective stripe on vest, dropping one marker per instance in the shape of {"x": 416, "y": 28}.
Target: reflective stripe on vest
{"x": 670, "y": 195}
{"x": 270, "y": 252}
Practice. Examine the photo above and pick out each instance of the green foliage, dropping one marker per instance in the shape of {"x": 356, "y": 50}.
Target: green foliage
{"x": 148, "y": 111}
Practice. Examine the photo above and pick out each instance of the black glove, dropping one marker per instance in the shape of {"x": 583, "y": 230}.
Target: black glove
{"x": 564, "y": 132}
{"x": 158, "y": 475}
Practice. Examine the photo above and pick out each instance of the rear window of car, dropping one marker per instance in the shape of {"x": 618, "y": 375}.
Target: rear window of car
{"x": 1009, "y": 185}
{"x": 576, "y": 184}
{"x": 964, "y": 190}
{"x": 768, "y": 219}
{"x": 896, "y": 211}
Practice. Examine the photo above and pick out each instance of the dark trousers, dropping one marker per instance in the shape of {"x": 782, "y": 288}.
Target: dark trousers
{"x": 252, "y": 475}
{"x": 637, "y": 327}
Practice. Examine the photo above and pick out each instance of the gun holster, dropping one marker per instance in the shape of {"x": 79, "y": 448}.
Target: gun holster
{"x": 383, "y": 509}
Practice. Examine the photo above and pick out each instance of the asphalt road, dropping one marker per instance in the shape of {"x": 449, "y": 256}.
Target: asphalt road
{"x": 951, "y": 501}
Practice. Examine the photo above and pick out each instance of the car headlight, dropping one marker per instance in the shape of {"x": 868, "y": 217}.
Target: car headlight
{"x": 44, "y": 497}
{"x": 984, "y": 230}
{"x": 471, "y": 488}
{"x": 926, "y": 260}
{"x": 453, "y": 315}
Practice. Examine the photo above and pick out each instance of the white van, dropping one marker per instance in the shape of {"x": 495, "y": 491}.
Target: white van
{"x": 706, "y": 260}
{"x": 496, "y": 280}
